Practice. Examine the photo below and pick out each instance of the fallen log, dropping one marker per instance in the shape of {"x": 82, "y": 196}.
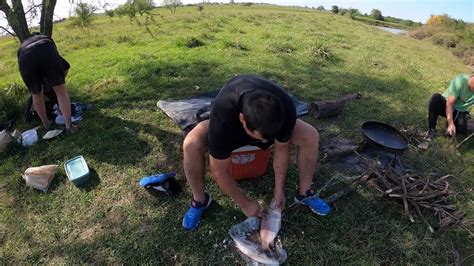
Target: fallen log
{"x": 328, "y": 108}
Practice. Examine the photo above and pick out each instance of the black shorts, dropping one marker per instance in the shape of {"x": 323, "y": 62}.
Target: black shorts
{"x": 40, "y": 64}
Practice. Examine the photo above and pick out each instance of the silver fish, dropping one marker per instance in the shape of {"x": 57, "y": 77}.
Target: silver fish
{"x": 270, "y": 226}
{"x": 252, "y": 251}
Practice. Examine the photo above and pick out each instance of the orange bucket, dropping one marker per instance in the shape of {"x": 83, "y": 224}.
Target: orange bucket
{"x": 248, "y": 162}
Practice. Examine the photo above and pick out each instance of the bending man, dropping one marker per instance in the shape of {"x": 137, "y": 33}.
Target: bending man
{"x": 41, "y": 64}
{"x": 255, "y": 111}
{"x": 454, "y": 104}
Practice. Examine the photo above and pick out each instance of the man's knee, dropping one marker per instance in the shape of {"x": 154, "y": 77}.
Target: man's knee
{"x": 436, "y": 98}
{"x": 308, "y": 137}
{"x": 196, "y": 140}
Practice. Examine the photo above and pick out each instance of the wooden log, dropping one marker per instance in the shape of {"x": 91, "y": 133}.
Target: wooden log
{"x": 334, "y": 107}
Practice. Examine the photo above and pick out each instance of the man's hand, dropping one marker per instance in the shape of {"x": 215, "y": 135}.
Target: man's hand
{"x": 452, "y": 130}
{"x": 279, "y": 197}
{"x": 251, "y": 208}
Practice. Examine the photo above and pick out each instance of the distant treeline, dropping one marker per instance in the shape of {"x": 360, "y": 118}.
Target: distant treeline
{"x": 374, "y": 18}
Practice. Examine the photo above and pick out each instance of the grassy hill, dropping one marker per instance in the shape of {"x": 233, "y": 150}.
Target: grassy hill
{"x": 123, "y": 69}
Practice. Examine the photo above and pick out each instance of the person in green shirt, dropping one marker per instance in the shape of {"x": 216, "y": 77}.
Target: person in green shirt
{"x": 454, "y": 104}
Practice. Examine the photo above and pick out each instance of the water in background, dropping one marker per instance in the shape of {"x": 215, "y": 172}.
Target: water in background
{"x": 392, "y": 30}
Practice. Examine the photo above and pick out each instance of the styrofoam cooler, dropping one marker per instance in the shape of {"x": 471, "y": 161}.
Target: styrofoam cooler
{"x": 248, "y": 162}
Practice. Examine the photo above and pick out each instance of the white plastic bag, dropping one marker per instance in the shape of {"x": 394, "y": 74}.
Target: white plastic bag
{"x": 29, "y": 137}
{"x": 5, "y": 139}
{"x": 40, "y": 177}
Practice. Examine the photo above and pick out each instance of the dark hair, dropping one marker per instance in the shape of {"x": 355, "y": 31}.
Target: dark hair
{"x": 263, "y": 112}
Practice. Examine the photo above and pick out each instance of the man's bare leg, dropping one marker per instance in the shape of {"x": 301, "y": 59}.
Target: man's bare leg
{"x": 64, "y": 105}
{"x": 306, "y": 138}
{"x": 38, "y": 104}
{"x": 194, "y": 164}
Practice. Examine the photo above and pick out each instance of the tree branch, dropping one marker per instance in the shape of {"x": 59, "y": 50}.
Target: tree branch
{"x": 9, "y": 32}
{"x": 5, "y": 7}
{"x": 32, "y": 7}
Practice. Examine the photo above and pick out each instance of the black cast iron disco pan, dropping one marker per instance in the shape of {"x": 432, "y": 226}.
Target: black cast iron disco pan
{"x": 384, "y": 136}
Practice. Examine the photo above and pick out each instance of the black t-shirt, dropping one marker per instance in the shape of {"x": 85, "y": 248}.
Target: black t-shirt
{"x": 226, "y": 132}
{"x": 32, "y": 41}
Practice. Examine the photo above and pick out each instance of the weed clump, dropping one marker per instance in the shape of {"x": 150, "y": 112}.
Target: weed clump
{"x": 281, "y": 47}
{"x": 190, "y": 42}
{"x": 320, "y": 52}
{"x": 125, "y": 39}
{"x": 235, "y": 45}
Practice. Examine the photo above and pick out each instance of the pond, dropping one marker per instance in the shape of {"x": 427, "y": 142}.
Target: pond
{"x": 392, "y": 30}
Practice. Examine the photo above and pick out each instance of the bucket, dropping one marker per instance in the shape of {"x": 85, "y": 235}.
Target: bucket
{"x": 248, "y": 162}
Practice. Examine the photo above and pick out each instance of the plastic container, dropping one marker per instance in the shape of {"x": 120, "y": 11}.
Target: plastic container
{"x": 77, "y": 170}
{"x": 248, "y": 162}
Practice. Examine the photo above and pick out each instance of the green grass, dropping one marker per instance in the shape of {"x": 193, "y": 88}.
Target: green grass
{"x": 123, "y": 69}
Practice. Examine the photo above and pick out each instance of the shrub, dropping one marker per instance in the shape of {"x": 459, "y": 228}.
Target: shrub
{"x": 376, "y": 14}
{"x": 445, "y": 39}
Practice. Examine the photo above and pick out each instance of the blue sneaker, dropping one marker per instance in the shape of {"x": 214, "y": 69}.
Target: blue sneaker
{"x": 192, "y": 218}
{"x": 317, "y": 205}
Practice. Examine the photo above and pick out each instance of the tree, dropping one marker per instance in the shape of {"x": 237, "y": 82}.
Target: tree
{"x": 376, "y": 14}
{"x": 16, "y": 17}
{"x": 84, "y": 13}
{"x": 320, "y": 8}
{"x": 354, "y": 12}
{"x": 132, "y": 7}
{"x": 172, "y": 4}
{"x": 231, "y": 2}
{"x": 343, "y": 11}
{"x": 335, "y": 9}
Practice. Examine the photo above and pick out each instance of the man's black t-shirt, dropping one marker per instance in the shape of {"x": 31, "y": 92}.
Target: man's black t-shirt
{"x": 226, "y": 132}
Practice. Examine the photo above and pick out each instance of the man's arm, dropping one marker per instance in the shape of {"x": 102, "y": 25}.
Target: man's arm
{"x": 220, "y": 173}
{"x": 449, "y": 115}
{"x": 281, "y": 159}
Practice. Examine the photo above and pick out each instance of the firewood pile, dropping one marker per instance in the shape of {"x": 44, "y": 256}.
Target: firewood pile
{"x": 415, "y": 193}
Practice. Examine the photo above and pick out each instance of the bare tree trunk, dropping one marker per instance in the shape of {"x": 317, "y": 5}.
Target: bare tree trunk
{"x": 46, "y": 20}
{"x": 16, "y": 18}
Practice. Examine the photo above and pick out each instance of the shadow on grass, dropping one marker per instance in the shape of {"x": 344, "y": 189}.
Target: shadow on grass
{"x": 93, "y": 182}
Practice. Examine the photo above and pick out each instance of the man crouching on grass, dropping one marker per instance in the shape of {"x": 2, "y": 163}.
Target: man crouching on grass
{"x": 250, "y": 110}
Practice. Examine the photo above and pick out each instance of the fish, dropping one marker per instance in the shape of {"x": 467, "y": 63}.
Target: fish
{"x": 252, "y": 251}
{"x": 270, "y": 225}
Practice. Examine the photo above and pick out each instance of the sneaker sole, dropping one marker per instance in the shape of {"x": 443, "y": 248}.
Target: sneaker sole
{"x": 197, "y": 225}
